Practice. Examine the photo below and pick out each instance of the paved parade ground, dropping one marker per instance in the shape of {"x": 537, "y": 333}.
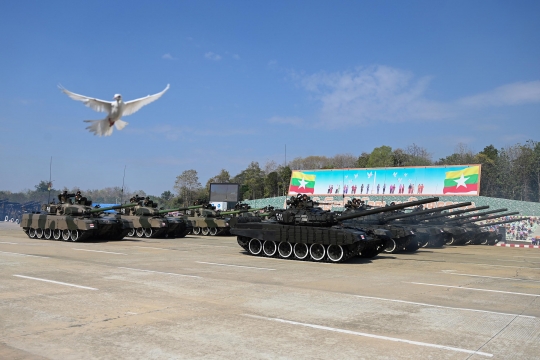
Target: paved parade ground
{"x": 204, "y": 298}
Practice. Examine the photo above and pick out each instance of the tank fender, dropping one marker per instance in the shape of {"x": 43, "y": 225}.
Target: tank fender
{"x": 261, "y": 234}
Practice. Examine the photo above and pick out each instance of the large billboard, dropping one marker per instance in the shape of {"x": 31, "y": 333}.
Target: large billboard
{"x": 426, "y": 180}
{"x": 224, "y": 192}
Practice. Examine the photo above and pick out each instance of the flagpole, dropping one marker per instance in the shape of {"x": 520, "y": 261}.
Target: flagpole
{"x": 50, "y": 181}
{"x": 122, "y": 192}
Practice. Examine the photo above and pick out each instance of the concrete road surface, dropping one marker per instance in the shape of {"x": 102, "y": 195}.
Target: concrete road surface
{"x": 205, "y": 298}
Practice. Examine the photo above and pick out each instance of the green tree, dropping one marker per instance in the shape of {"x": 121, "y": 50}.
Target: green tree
{"x": 187, "y": 184}
{"x": 381, "y": 157}
{"x": 362, "y": 160}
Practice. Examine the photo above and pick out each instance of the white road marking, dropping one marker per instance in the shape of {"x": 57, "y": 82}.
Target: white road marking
{"x": 527, "y": 262}
{"x": 491, "y": 277}
{"x": 443, "y": 307}
{"x": 12, "y": 253}
{"x": 149, "y": 247}
{"x": 56, "y": 282}
{"x": 131, "y": 313}
{"x": 5, "y": 242}
{"x": 380, "y": 337}
{"x": 99, "y": 251}
{"x": 241, "y": 266}
{"x": 159, "y": 272}
{"x": 508, "y": 266}
{"x": 466, "y": 288}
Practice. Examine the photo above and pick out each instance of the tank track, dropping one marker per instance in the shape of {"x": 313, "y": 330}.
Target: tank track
{"x": 307, "y": 252}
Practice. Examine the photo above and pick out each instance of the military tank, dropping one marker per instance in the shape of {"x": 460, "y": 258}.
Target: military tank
{"x": 206, "y": 220}
{"x": 179, "y": 227}
{"x": 150, "y": 222}
{"x": 495, "y": 236}
{"x": 406, "y": 236}
{"x": 427, "y": 234}
{"x": 472, "y": 232}
{"x": 480, "y": 234}
{"x": 304, "y": 231}
{"x": 74, "y": 219}
{"x": 453, "y": 233}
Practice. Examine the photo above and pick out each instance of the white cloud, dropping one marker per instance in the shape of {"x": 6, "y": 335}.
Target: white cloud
{"x": 236, "y": 56}
{"x": 210, "y": 55}
{"x": 382, "y": 94}
{"x": 291, "y": 120}
{"x": 511, "y": 94}
{"x": 168, "y": 56}
{"x": 372, "y": 94}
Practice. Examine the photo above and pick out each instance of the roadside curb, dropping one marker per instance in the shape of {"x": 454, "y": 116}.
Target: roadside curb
{"x": 519, "y": 246}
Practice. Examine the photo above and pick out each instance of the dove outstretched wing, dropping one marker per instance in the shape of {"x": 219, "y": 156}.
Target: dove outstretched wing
{"x": 93, "y": 103}
{"x": 133, "y": 106}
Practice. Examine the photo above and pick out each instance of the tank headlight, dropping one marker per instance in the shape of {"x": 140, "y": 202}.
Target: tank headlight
{"x": 362, "y": 237}
{"x": 163, "y": 224}
{"x": 91, "y": 225}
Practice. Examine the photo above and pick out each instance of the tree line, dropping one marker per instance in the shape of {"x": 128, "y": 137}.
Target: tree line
{"x": 511, "y": 172}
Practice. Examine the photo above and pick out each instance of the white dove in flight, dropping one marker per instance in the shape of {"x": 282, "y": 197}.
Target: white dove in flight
{"x": 115, "y": 109}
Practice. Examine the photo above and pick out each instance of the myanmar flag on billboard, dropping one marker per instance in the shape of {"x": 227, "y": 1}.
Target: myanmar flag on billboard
{"x": 302, "y": 183}
{"x": 462, "y": 181}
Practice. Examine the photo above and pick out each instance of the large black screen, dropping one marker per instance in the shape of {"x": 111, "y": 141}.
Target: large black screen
{"x": 225, "y": 192}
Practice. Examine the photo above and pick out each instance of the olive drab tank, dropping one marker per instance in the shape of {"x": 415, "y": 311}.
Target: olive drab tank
{"x": 206, "y": 220}
{"x": 304, "y": 231}
{"x": 74, "y": 219}
{"x": 405, "y": 236}
{"x": 148, "y": 221}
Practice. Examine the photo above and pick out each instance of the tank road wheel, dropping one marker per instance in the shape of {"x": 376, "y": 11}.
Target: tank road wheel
{"x": 285, "y": 249}
{"x": 451, "y": 241}
{"x": 317, "y": 252}
{"x": 39, "y": 233}
{"x": 269, "y": 248}
{"x": 425, "y": 244}
{"x": 57, "y": 234}
{"x": 254, "y": 247}
{"x": 75, "y": 234}
{"x": 205, "y": 231}
{"x": 196, "y": 230}
{"x": 335, "y": 253}
{"x": 131, "y": 232}
{"x": 139, "y": 232}
{"x": 32, "y": 233}
{"x": 47, "y": 233}
{"x": 148, "y": 232}
{"x": 66, "y": 234}
{"x": 484, "y": 242}
{"x": 301, "y": 251}
{"x": 213, "y": 231}
{"x": 390, "y": 246}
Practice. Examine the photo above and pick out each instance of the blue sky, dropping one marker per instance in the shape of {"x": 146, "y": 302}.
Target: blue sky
{"x": 249, "y": 77}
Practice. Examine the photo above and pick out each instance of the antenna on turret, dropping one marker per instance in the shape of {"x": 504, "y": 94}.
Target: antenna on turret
{"x": 122, "y": 192}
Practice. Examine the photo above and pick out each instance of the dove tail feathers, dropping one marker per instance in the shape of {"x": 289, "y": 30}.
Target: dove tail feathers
{"x": 100, "y": 127}
{"x": 120, "y": 124}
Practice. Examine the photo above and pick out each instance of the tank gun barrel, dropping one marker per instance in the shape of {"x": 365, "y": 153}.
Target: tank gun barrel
{"x": 454, "y": 213}
{"x": 238, "y": 211}
{"x": 491, "y": 217}
{"x": 165, "y": 211}
{"x": 477, "y": 214}
{"x": 427, "y": 211}
{"x": 387, "y": 208}
{"x": 98, "y": 210}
